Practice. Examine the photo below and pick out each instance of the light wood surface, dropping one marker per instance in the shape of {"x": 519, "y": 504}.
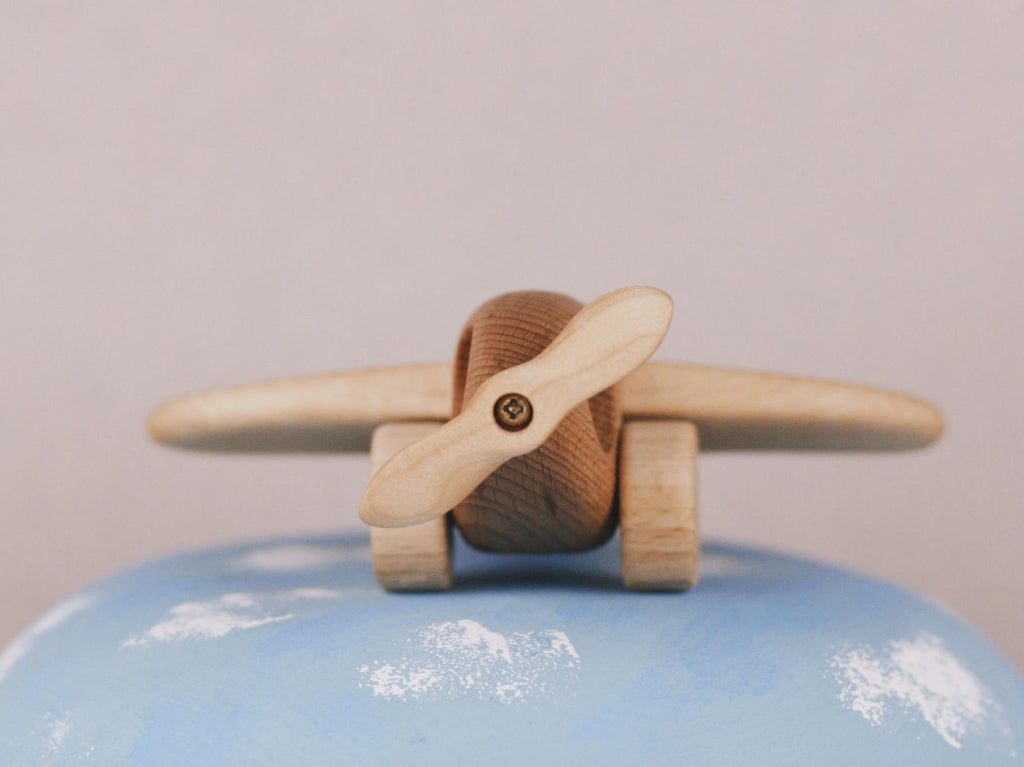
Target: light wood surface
{"x": 560, "y": 496}
{"x": 658, "y": 505}
{"x": 733, "y": 410}
{"x": 604, "y": 341}
{"x": 746, "y": 410}
{"x": 416, "y": 558}
{"x": 328, "y": 412}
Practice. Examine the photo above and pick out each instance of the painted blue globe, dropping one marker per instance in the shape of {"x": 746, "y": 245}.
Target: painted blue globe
{"x": 287, "y": 653}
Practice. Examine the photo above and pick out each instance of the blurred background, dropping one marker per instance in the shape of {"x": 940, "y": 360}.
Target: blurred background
{"x": 196, "y": 194}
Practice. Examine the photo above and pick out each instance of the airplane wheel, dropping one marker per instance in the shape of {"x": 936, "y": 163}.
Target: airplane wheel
{"x": 658, "y": 505}
{"x": 416, "y": 558}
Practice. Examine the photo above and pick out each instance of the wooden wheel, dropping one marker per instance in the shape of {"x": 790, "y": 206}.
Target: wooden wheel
{"x": 658, "y": 505}
{"x": 416, "y": 558}
{"x": 559, "y": 497}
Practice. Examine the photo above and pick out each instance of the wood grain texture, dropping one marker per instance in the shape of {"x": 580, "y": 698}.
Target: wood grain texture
{"x": 559, "y": 497}
{"x": 747, "y": 410}
{"x": 416, "y": 558}
{"x": 733, "y": 409}
{"x": 658, "y": 505}
{"x": 602, "y": 343}
{"x": 327, "y": 412}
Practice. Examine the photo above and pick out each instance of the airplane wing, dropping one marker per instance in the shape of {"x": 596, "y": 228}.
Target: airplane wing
{"x": 733, "y": 410}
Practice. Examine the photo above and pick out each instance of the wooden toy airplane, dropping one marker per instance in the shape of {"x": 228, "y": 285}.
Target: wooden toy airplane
{"x": 549, "y": 429}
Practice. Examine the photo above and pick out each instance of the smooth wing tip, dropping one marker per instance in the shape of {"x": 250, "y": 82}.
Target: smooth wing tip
{"x": 165, "y": 424}
{"x": 905, "y": 423}
{"x": 187, "y": 422}
{"x": 930, "y": 424}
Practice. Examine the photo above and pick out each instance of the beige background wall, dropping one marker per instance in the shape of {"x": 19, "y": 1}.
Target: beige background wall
{"x": 200, "y": 193}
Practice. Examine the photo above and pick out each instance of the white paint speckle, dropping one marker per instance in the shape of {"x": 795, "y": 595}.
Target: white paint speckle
{"x": 58, "y": 732}
{"x": 296, "y": 557}
{"x": 214, "y": 618}
{"x": 916, "y": 675}
{"x": 20, "y": 645}
{"x": 464, "y": 657}
{"x": 53, "y": 736}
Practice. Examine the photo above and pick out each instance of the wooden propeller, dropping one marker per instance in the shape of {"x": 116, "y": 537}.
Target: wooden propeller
{"x": 518, "y": 408}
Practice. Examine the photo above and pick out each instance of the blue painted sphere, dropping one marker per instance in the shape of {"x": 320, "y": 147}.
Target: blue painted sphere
{"x": 287, "y": 653}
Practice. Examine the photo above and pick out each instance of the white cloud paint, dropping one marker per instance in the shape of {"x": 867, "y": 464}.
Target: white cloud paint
{"x": 58, "y": 732}
{"x": 20, "y": 645}
{"x": 56, "y": 747}
{"x": 916, "y": 676}
{"x": 213, "y": 618}
{"x": 297, "y": 557}
{"x": 466, "y": 658}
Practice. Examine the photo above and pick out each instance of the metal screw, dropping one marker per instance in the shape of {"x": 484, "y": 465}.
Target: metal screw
{"x": 513, "y": 412}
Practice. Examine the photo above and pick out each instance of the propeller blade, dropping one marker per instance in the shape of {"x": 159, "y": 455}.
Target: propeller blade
{"x": 604, "y": 342}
